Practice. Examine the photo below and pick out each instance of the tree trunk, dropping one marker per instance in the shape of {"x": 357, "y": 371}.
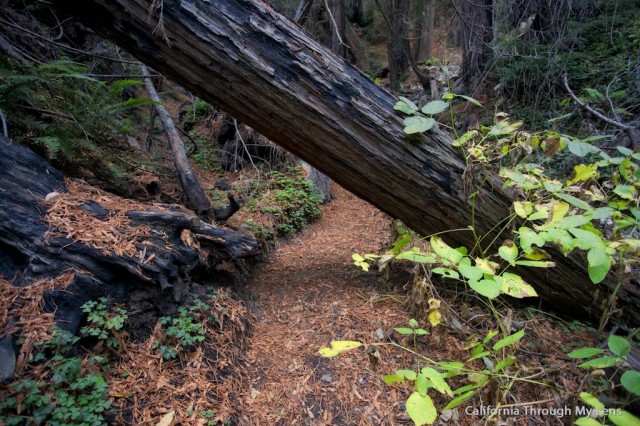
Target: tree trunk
{"x": 424, "y": 30}
{"x": 336, "y": 27}
{"x": 477, "y": 19}
{"x": 152, "y": 256}
{"x": 268, "y": 72}
{"x": 397, "y": 41}
{"x": 196, "y": 198}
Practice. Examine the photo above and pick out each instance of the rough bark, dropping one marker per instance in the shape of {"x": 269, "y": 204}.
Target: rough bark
{"x": 263, "y": 69}
{"x": 196, "y": 198}
{"x": 397, "y": 41}
{"x": 178, "y": 248}
{"x": 424, "y": 30}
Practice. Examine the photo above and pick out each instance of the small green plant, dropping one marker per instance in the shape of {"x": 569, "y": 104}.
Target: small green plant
{"x": 413, "y": 330}
{"x": 102, "y": 323}
{"x": 69, "y": 393}
{"x": 433, "y": 375}
{"x": 185, "y": 330}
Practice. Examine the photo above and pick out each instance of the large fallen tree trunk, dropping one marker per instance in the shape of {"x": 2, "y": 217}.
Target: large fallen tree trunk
{"x": 249, "y": 60}
{"x": 150, "y": 255}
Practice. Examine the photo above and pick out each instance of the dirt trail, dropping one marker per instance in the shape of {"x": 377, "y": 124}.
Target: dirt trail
{"x": 308, "y": 294}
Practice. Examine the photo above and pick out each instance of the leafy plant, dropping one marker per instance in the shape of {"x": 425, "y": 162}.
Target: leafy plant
{"x": 186, "y": 330}
{"x": 66, "y": 392}
{"x": 103, "y": 323}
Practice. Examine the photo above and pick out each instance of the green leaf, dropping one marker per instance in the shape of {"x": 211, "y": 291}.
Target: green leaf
{"x": 416, "y": 257}
{"x": 574, "y": 221}
{"x": 509, "y": 340}
{"x": 536, "y": 263}
{"x": 623, "y": 418}
{"x": 529, "y": 237}
{"x": 586, "y": 240}
{"x": 599, "y": 264}
{"x": 583, "y": 173}
{"x": 508, "y": 251}
{"x": 421, "y": 385}
{"x": 469, "y": 99}
{"x": 585, "y": 353}
{"x": 407, "y": 374}
{"x": 338, "y": 347}
{"x": 523, "y": 209}
{"x": 459, "y": 400}
{"x": 624, "y": 150}
{"x": 631, "y": 381}
{"x": 504, "y": 363}
{"x": 573, "y": 201}
{"x": 451, "y": 366}
{"x": 462, "y": 140}
{"x": 628, "y": 192}
{"x": 592, "y": 401}
{"x": 486, "y": 288}
{"x": 444, "y": 251}
{"x": 421, "y": 409}
{"x": 602, "y": 362}
{"x": 472, "y": 273}
{"x": 446, "y": 273}
{"x": 418, "y": 124}
{"x": 405, "y": 331}
{"x": 435, "y": 107}
{"x": 619, "y": 345}
{"x": 405, "y": 106}
{"x": 390, "y": 379}
{"x": 437, "y": 381}
{"x": 581, "y": 149}
{"x": 515, "y": 286}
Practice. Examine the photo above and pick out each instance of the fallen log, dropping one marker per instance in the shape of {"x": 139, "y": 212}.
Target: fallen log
{"x": 269, "y": 73}
{"x": 146, "y": 256}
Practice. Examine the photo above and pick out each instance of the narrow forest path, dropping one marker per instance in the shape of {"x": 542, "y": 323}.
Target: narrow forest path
{"x": 308, "y": 294}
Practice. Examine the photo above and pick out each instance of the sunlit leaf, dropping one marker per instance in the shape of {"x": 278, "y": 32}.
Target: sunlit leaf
{"x": 445, "y": 251}
{"x": 585, "y": 353}
{"x": 515, "y": 286}
{"x": 523, "y": 209}
{"x": 592, "y": 401}
{"x": 602, "y": 362}
{"x": 486, "y": 288}
{"x": 508, "y": 251}
{"x": 421, "y": 409}
{"x": 338, "y": 347}
{"x": 535, "y": 263}
{"x": 446, "y": 273}
{"x": 583, "y": 173}
{"x": 487, "y": 266}
{"x": 599, "y": 264}
{"x": 437, "y": 381}
{"x": 509, "y": 340}
{"x": 623, "y": 418}
{"x": 416, "y": 257}
{"x": 472, "y": 273}
{"x": 434, "y": 318}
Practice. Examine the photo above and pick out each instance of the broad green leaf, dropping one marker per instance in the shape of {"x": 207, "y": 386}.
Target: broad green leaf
{"x": 437, "y": 381}
{"x": 535, "y": 263}
{"x": 626, "y": 168}
{"x": 418, "y": 124}
{"x": 602, "y": 362}
{"x": 624, "y": 150}
{"x": 631, "y": 381}
{"x": 509, "y": 340}
{"x": 602, "y": 213}
{"x": 586, "y": 240}
{"x": 459, "y": 400}
{"x": 338, "y": 347}
{"x": 472, "y": 273}
{"x": 444, "y": 251}
{"x": 583, "y": 173}
{"x": 529, "y": 237}
{"x": 416, "y": 257}
{"x": 486, "y": 288}
{"x": 486, "y": 265}
{"x": 536, "y": 254}
{"x": 523, "y": 208}
{"x": 462, "y": 140}
{"x": 558, "y": 212}
{"x": 592, "y": 401}
{"x": 357, "y": 257}
{"x": 446, "y": 273}
{"x": 451, "y": 366}
{"x": 508, "y": 251}
{"x": 599, "y": 264}
{"x": 406, "y": 331}
{"x": 390, "y": 379}
{"x": 619, "y": 345}
{"x": 515, "y": 286}
{"x": 421, "y": 409}
{"x": 628, "y": 192}
{"x": 576, "y": 202}
{"x": 574, "y": 221}
{"x": 407, "y": 374}
{"x": 435, "y": 107}
{"x": 421, "y": 384}
{"x": 585, "y": 353}
{"x": 623, "y": 418}
{"x": 581, "y": 149}
{"x": 405, "y": 105}
{"x": 413, "y": 323}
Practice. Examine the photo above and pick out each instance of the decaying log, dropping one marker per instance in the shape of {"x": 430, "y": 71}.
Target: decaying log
{"x": 167, "y": 252}
{"x": 269, "y": 73}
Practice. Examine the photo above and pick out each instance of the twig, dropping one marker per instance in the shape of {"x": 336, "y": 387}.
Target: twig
{"x": 5, "y": 130}
{"x": 630, "y": 130}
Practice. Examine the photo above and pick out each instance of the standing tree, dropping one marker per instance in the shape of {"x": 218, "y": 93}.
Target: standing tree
{"x": 397, "y": 41}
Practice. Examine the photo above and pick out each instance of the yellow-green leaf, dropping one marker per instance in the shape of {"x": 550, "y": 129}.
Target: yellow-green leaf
{"x": 338, "y": 347}
{"x": 434, "y": 318}
{"x": 508, "y": 251}
{"x": 623, "y": 418}
{"x": 523, "y": 208}
{"x": 582, "y": 173}
{"x": 591, "y": 400}
{"x": 515, "y": 286}
{"x": 445, "y": 251}
{"x": 421, "y": 409}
